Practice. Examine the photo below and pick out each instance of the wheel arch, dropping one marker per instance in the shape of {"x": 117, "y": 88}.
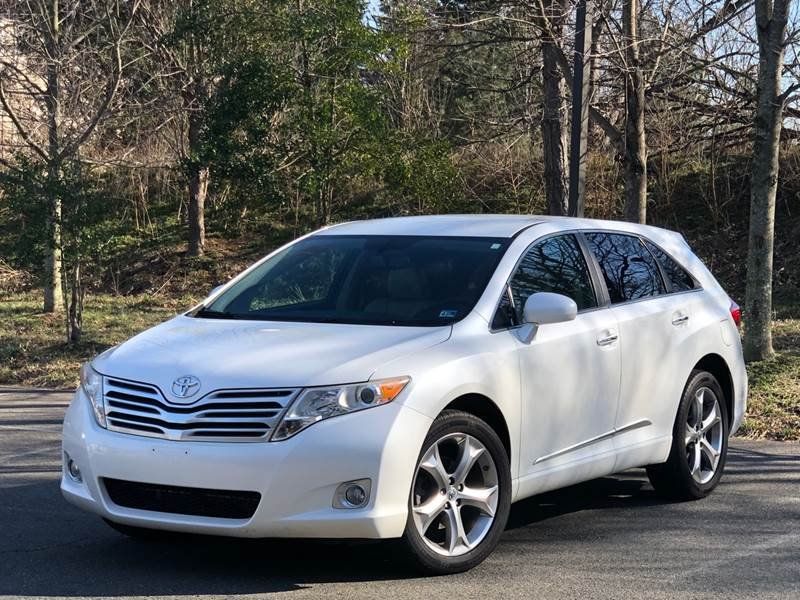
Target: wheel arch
{"x": 716, "y": 365}
{"x": 485, "y": 409}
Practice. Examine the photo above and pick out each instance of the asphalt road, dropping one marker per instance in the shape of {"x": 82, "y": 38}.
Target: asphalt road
{"x": 609, "y": 538}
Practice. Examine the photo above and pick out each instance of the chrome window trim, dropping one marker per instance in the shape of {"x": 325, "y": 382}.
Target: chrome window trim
{"x": 699, "y": 287}
{"x": 607, "y": 305}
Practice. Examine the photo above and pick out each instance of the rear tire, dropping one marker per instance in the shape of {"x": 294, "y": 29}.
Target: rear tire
{"x": 699, "y": 442}
{"x": 460, "y": 497}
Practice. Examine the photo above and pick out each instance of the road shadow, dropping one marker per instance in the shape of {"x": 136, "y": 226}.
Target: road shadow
{"x": 55, "y": 550}
{"x": 628, "y": 490}
{"x": 49, "y": 548}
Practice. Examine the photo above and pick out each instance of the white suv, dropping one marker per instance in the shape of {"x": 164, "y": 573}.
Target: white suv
{"x": 411, "y": 378}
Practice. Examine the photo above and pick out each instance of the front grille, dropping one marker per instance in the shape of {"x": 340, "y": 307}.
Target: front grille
{"x": 223, "y": 415}
{"x": 199, "y": 502}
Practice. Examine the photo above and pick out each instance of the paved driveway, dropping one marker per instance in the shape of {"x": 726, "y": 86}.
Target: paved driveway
{"x": 609, "y": 538}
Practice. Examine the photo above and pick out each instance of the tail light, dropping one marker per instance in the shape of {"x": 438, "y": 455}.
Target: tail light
{"x": 736, "y": 313}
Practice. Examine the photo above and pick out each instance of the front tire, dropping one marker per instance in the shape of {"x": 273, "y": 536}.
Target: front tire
{"x": 460, "y": 497}
{"x": 699, "y": 442}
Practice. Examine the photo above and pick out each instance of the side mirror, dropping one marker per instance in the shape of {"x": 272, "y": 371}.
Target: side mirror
{"x": 543, "y": 308}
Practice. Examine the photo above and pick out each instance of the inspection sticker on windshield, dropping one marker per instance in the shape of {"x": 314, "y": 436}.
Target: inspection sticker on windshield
{"x": 494, "y": 246}
{"x": 448, "y": 314}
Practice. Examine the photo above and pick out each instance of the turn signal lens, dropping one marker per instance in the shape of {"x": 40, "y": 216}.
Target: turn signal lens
{"x": 381, "y": 392}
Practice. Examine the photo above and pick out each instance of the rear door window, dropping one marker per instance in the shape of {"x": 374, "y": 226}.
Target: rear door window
{"x": 629, "y": 270}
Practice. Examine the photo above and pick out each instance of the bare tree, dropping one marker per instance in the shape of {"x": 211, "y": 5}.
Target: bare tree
{"x": 554, "y": 110}
{"x": 635, "y": 159}
{"x": 195, "y": 93}
{"x": 771, "y": 25}
{"x": 197, "y": 172}
{"x": 58, "y": 81}
{"x": 646, "y": 51}
{"x": 180, "y": 38}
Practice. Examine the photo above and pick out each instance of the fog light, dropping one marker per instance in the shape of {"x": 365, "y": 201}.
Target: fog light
{"x": 352, "y": 494}
{"x": 72, "y": 469}
{"x": 355, "y": 495}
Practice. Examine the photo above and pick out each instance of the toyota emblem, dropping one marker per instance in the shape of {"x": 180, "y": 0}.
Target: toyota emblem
{"x": 186, "y": 386}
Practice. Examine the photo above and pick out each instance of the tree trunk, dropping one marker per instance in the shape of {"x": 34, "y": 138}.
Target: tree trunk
{"x": 195, "y": 97}
{"x": 771, "y": 21}
{"x": 53, "y": 272}
{"x": 322, "y": 205}
{"x": 53, "y": 276}
{"x": 581, "y": 100}
{"x": 554, "y": 113}
{"x": 635, "y": 158}
{"x": 75, "y": 312}
{"x": 198, "y": 175}
{"x": 198, "y": 187}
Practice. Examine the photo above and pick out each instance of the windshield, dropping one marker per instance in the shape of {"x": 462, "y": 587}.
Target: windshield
{"x": 377, "y": 280}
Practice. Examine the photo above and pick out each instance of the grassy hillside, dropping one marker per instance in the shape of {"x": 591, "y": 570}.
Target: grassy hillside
{"x": 143, "y": 277}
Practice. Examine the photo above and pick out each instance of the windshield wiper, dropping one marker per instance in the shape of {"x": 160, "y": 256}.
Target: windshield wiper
{"x": 205, "y": 313}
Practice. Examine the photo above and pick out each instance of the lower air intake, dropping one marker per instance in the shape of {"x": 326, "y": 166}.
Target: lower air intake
{"x": 198, "y": 502}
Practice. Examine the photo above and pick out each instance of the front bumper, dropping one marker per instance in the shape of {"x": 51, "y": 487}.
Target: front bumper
{"x": 296, "y": 478}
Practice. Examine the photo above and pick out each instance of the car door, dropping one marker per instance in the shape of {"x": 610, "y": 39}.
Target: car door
{"x": 569, "y": 372}
{"x": 652, "y": 324}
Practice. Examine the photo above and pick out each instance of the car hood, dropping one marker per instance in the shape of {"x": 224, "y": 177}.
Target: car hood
{"x": 250, "y": 354}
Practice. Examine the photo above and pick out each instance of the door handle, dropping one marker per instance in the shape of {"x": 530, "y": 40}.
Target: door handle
{"x": 608, "y": 339}
{"x": 680, "y": 319}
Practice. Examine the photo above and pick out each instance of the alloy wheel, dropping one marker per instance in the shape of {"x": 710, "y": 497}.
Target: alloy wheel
{"x": 455, "y": 494}
{"x": 704, "y": 435}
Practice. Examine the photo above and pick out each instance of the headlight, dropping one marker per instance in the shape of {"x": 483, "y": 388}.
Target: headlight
{"x": 92, "y": 386}
{"x": 316, "y": 404}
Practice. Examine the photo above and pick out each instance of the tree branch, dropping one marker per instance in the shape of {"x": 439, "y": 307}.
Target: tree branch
{"x": 24, "y": 133}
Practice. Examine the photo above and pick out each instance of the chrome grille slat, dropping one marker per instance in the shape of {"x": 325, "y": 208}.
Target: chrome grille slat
{"x": 202, "y": 418}
{"x": 133, "y": 407}
{"x": 225, "y": 404}
{"x": 227, "y": 434}
{"x": 147, "y": 429}
{"x": 221, "y": 415}
{"x": 227, "y": 414}
{"x": 129, "y": 385}
{"x": 251, "y": 394}
{"x": 215, "y": 424}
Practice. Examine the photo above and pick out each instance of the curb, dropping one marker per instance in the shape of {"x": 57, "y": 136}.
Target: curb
{"x": 28, "y": 390}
